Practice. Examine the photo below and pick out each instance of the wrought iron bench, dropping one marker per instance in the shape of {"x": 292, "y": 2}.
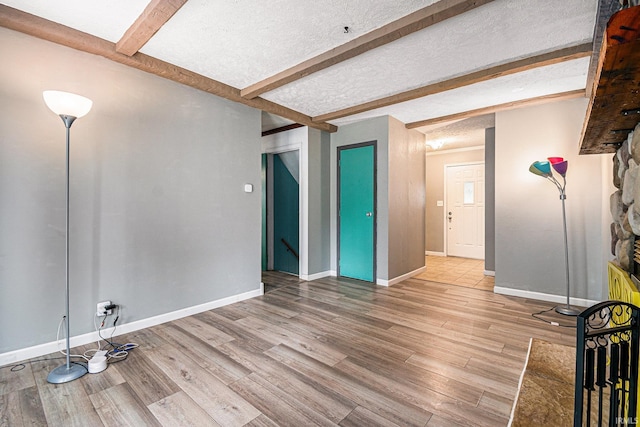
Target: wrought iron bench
{"x": 606, "y": 391}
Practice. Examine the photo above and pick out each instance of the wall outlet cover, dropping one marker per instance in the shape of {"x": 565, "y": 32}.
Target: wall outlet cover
{"x": 100, "y": 309}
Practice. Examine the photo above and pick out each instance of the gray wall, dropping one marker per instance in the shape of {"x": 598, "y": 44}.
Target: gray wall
{"x": 376, "y": 129}
{"x": 319, "y": 153}
{"x": 400, "y": 193}
{"x": 406, "y": 199}
{"x": 436, "y": 162}
{"x": 490, "y": 199}
{"x": 528, "y": 227}
{"x": 159, "y": 219}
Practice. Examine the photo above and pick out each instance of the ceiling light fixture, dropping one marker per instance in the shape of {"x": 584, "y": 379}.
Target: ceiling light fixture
{"x": 436, "y": 143}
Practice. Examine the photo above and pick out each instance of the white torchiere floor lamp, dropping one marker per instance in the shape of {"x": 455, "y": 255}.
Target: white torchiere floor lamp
{"x": 69, "y": 107}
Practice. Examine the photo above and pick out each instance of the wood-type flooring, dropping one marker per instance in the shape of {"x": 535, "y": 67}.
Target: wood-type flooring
{"x": 328, "y": 352}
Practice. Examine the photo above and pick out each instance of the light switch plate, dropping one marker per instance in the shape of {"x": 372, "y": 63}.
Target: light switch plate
{"x": 439, "y": 203}
{"x": 248, "y": 188}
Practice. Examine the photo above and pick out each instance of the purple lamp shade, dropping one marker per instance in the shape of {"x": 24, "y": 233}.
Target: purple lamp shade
{"x": 559, "y": 164}
{"x": 561, "y": 167}
{"x": 540, "y": 168}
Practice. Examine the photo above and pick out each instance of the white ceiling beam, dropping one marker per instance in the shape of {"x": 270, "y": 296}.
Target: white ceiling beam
{"x": 152, "y": 18}
{"x": 36, "y": 26}
{"x": 416, "y": 21}
{"x": 518, "y": 66}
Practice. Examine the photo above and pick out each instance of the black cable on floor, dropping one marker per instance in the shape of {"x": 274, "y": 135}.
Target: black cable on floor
{"x": 537, "y": 316}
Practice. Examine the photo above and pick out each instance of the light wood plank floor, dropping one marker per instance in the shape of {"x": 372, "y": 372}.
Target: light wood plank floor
{"x": 329, "y": 352}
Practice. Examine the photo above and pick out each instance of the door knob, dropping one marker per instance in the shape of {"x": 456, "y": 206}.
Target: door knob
{"x": 369, "y": 214}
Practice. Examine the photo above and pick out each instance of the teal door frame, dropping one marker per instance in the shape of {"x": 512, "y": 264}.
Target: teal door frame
{"x": 341, "y": 149}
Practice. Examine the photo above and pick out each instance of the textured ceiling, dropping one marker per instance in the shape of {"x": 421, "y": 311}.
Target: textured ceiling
{"x": 241, "y": 42}
{"x": 459, "y": 134}
{"x": 570, "y": 75}
{"x": 454, "y": 47}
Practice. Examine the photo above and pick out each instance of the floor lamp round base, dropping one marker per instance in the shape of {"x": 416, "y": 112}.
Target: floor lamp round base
{"x": 62, "y": 374}
{"x": 567, "y": 310}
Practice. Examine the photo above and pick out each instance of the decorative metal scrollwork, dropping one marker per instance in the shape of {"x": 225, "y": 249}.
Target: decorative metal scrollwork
{"x": 607, "y": 350}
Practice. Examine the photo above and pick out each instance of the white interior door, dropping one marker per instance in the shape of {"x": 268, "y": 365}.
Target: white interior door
{"x": 464, "y": 216}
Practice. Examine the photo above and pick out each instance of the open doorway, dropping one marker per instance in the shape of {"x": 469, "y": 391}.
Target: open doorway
{"x": 281, "y": 214}
{"x": 466, "y": 142}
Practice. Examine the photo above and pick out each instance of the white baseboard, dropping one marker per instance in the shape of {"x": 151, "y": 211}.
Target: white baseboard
{"x": 489, "y": 273}
{"x": 580, "y": 302}
{"x": 399, "y": 279}
{"x": 315, "y": 276}
{"x": 16, "y": 356}
{"x": 432, "y": 253}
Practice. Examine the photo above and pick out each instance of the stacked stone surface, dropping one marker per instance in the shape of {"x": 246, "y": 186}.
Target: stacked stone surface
{"x": 625, "y": 202}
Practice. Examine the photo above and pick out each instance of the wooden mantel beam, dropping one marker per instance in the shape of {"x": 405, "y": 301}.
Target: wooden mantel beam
{"x": 416, "y": 21}
{"x": 154, "y": 16}
{"x": 518, "y": 66}
{"x": 51, "y": 31}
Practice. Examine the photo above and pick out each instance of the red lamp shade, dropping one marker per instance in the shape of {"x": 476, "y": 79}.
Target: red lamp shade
{"x": 554, "y": 160}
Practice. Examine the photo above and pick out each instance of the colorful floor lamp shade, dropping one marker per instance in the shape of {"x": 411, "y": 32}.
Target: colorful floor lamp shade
{"x": 544, "y": 169}
{"x": 69, "y": 107}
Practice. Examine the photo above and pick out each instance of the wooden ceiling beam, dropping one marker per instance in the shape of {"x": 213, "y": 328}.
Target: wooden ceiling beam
{"x": 500, "y": 107}
{"x": 154, "y": 16}
{"x": 416, "y": 21}
{"x": 282, "y": 129}
{"x": 518, "y": 66}
{"x": 51, "y": 31}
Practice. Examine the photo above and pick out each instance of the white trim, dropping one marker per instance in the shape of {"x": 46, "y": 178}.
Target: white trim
{"x": 315, "y": 276}
{"x": 399, "y": 279}
{"x": 454, "y": 150}
{"x": 489, "y": 273}
{"x": 515, "y": 401}
{"x": 303, "y": 208}
{"x": 433, "y": 253}
{"x": 284, "y": 141}
{"x": 580, "y": 302}
{"x": 16, "y": 356}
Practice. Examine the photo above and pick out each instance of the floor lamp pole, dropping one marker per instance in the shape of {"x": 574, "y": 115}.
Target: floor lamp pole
{"x": 567, "y": 310}
{"x": 67, "y": 372}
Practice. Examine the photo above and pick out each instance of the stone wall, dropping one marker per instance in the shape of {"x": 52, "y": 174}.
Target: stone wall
{"x": 625, "y": 202}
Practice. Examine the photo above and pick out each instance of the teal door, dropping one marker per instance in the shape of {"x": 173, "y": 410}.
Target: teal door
{"x": 285, "y": 218}
{"x": 356, "y": 211}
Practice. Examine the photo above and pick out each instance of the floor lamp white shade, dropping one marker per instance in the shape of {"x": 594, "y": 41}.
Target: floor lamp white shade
{"x": 67, "y": 104}
{"x": 69, "y": 107}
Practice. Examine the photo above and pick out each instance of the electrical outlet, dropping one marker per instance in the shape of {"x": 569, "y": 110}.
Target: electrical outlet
{"x": 100, "y": 309}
